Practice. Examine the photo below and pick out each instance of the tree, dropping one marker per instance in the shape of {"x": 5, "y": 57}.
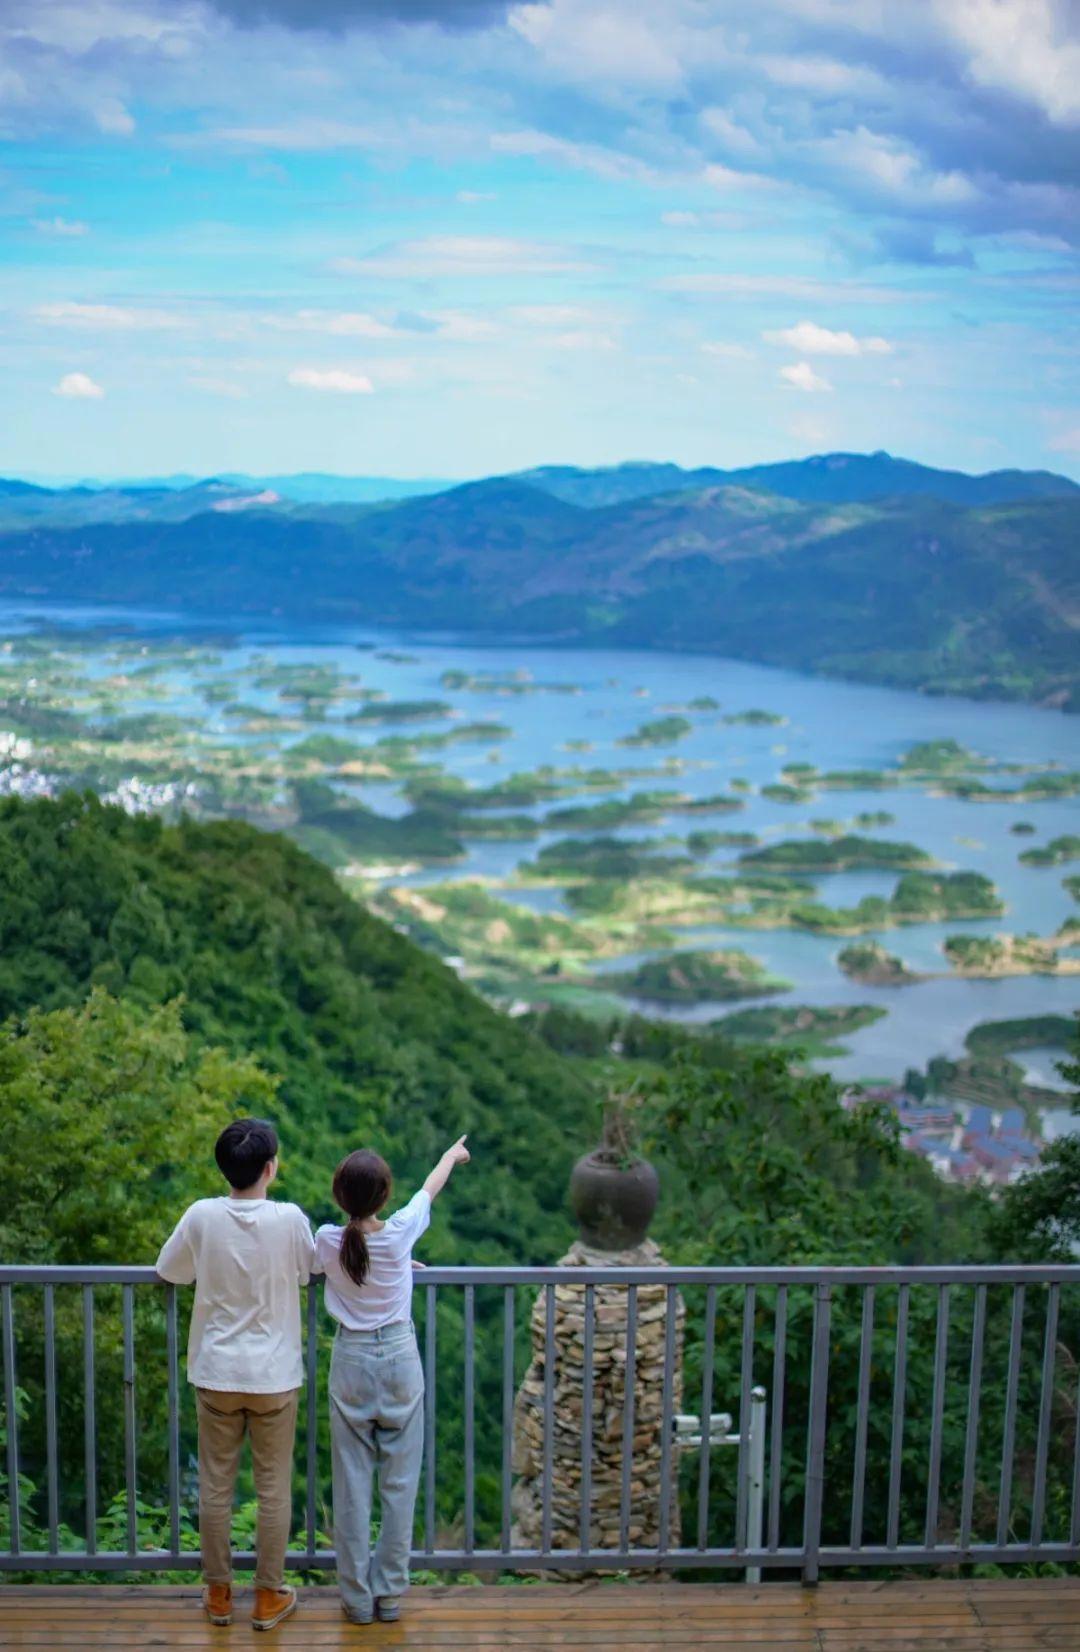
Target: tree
{"x": 1039, "y": 1216}
{"x": 109, "y": 1112}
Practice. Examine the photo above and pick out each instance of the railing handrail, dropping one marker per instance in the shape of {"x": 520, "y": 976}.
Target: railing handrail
{"x": 961, "y": 1273}
{"x": 796, "y": 1438}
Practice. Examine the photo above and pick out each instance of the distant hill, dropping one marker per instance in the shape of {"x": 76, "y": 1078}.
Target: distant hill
{"x": 914, "y": 591}
{"x": 839, "y": 478}
{"x": 318, "y": 488}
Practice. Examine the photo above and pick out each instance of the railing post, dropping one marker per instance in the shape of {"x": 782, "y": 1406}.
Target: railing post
{"x": 311, "y": 1414}
{"x": 11, "y": 1418}
{"x": 815, "y": 1443}
{"x": 755, "y": 1488}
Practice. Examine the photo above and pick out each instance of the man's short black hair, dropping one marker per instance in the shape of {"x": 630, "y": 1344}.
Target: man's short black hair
{"x": 244, "y": 1149}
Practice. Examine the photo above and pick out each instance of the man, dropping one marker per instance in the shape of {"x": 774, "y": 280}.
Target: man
{"x": 247, "y": 1257}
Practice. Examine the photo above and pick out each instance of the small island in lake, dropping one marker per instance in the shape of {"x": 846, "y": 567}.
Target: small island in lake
{"x": 812, "y": 1029}
{"x": 992, "y": 956}
{"x": 1058, "y": 852}
{"x": 661, "y": 731}
{"x": 696, "y": 978}
{"x": 839, "y": 854}
{"x": 868, "y": 962}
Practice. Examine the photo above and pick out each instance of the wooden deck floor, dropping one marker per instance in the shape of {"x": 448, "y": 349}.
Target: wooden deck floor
{"x": 917, "y": 1616}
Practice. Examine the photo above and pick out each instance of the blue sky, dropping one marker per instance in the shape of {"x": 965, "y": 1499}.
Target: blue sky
{"x": 454, "y": 237}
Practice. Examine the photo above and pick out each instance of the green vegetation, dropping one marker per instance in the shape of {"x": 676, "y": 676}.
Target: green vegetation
{"x": 338, "y": 829}
{"x": 400, "y": 711}
{"x": 812, "y": 1030}
{"x": 868, "y": 961}
{"x": 364, "y": 1032}
{"x": 639, "y": 806}
{"x": 839, "y": 854}
{"x": 696, "y": 977}
{"x": 703, "y": 843}
{"x": 995, "y": 955}
{"x": 1025, "y": 1033}
{"x": 605, "y": 857}
{"x": 755, "y": 718}
{"x": 936, "y": 896}
{"x": 662, "y": 731}
{"x": 329, "y": 749}
{"x": 936, "y": 757}
{"x": 781, "y": 791}
{"x": 857, "y": 780}
{"x": 1058, "y": 852}
{"x": 1038, "y": 788}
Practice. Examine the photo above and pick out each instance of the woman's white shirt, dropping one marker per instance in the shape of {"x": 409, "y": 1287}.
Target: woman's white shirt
{"x": 385, "y": 1297}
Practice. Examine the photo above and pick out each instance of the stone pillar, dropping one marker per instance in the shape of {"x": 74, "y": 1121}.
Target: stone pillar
{"x": 609, "y": 1393}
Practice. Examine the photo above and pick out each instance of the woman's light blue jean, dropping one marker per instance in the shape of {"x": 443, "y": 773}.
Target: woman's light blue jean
{"x": 376, "y": 1427}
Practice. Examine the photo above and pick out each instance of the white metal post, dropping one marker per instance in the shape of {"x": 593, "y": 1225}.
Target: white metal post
{"x": 755, "y": 1479}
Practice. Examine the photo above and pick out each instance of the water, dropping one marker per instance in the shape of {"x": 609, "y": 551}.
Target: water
{"x": 834, "y": 725}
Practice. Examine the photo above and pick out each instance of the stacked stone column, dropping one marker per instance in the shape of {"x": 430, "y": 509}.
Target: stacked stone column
{"x": 608, "y": 1402}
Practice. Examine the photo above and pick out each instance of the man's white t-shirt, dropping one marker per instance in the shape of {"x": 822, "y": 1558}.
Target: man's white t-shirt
{"x": 385, "y": 1297}
{"x": 247, "y": 1259}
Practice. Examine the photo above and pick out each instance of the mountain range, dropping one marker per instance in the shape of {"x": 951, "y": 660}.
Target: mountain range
{"x": 864, "y": 566}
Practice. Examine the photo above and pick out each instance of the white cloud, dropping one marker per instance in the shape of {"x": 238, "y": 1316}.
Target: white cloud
{"x": 113, "y": 119}
{"x": 473, "y": 197}
{"x": 888, "y": 165}
{"x": 339, "y": 323}
{"x": 726, "y": 177}
{"x": 1066, "y": 441}
{"x": 1021, "y": 46}
{"x": 811, "y": 340}
{"x": 111, "y": 318}
{"x": 802, "y": 377}
{"x": 585, "y": 157}
{"x": 589, "y": 42}
{"x": 680, "y": 220}
{"x": 823, "y": 75}
{"x": 464, "y": 255}
{"x": 61, "y": 227}
{"x": 79, "y": 387}
{"x": 334, "y": 379}
{"x": 735, "y": 138}
{"x": 727, "y": 352}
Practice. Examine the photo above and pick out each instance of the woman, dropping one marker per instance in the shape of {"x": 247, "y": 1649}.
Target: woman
{"x": 376, "y": 1379}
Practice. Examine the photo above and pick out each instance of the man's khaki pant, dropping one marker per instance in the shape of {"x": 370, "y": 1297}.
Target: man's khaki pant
{"x": 270, "y": 1420}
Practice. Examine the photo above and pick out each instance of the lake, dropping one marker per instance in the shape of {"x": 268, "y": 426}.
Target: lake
{"x": 834, "y": 725}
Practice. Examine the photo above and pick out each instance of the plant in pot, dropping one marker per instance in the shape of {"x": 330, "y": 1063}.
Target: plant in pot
{"x": 613, "y": 1190}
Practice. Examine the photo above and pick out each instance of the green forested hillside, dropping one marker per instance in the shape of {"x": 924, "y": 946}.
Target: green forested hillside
{"x": 373, "y": 1039}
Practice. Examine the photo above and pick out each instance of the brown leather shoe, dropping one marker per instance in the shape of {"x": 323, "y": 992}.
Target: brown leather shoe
{"x": 273, "y": 1606}
{"x": 217, "y": 1603}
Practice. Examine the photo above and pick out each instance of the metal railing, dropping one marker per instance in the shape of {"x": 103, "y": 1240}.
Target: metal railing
{"x": 916, "y": 1416}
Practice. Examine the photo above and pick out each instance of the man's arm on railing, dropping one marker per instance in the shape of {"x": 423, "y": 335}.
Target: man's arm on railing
{"x": 176, "y": 1260}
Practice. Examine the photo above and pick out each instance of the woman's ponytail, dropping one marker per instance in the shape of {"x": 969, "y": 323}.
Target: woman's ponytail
{"x": 362, "y": 1185}
{"x": 354, "y": 1252}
